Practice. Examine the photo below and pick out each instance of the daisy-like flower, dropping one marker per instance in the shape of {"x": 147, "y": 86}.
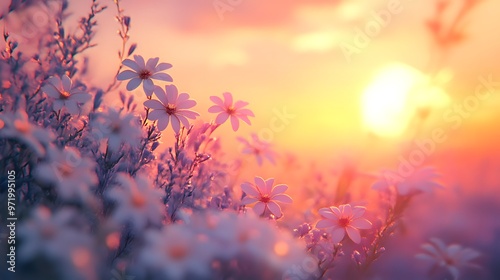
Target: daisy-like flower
{"x": 176, "y": 252}
{"x": 227, "y": 109}
{"x": 172, "y": 107}
{"x": 119, "y": 129}
{"x": 342, "y": 219}
{"x": 72, "y": 174}
{"x": 49, "y": 234}
{"x": 266, "y": 195}
{"x": 260, "y": 149}
{"x": 421, "y": 180}
{"x": 64, "y": 95}
{"x": 452, "y": 257}
{"x": 18, "y": 127}
{"x": 138, "y": 202}
{"x": 144, "y": 72}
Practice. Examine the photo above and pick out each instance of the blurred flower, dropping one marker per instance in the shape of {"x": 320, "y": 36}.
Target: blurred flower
{"x": 266, "y": 195}
{"x": 64, "y": 95}
{"x": 344, "y": 219}
{"x": 452, "y": 257}
{"x": 144, "y": 73}
{"x": 50, "y": 235}
{"x": 72, "y": 174}
{"x": 176, "y": 252}
{"x": 226, "y": 110}
{"x": 171, "y": 107}
{"x": 421, "y": 180}
{"x": 18, "y": 127}
{"x": 258, "y": 148}
{"x": 137, "y": 201}
{"x": 119, "y": 129}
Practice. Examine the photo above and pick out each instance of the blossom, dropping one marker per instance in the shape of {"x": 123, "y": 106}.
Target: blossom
{"x": 266, "y": 195}
{"x": 260, "y": 149}
{"x": 177, "y": 253}
{"x": 227, "y": 109}
{"x": 64, "y": 95}
{"x": 342, "y": 219}
{"x": 72, "y": 174}
{"x": 420, "y": 180}
{"x": 49, "y": 234}
{"x": 119, "y": 129}
{"x": 172, "y": 107}
{"x": 144, "y": 73}
{"x": 452, "y": 257}
{"x": 137, "y": 201}
{"x": 18, "y": 127}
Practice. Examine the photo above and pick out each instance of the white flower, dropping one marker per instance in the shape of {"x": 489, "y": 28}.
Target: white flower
{"x": 72, "y": 174}
{"x": 18, "y": 127}
{"x": 172, "y": 107}
{"x": 177, "y": 253}
{"x": 266, "y": 195}
{"x": 50, "y": 235}
{"x": 137, "y": 201}
{"x": 344, "y": 219}
{"x": 144, "y": 73}
{"x": 452, "y": 257}
{"x": 60, "y": 89}
{"x": 421, "y": 180}
{"x": 119, "y": 129}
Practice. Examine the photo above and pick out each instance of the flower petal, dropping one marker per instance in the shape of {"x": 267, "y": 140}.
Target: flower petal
{"x": 261, "y": 184}
{"x": 127, "y": 74}
{"x": 281, "y": 188}
{"x": 361, "y": 223}
{"x": 131, "y": 64}
{"x": 325, "y": 224}
{"x": 259, "y": 208}
{"x": 134, "y": 83}
{"x": 275, "y": 209}
{"x": 163, "y": 66}
{"x": 338, "y": 234}
{"x": 248, "y": 200}
{"x": 154, "y": 104}
{"x": 188, "y": 114}
{"x": 240, "y": 104}
{"x": 228, "y": 99}
{"x": 221, "y": 118}
{"x": 249, "y": 189}
{"x": 160, "y": 93}
{"x": 235, "y": 123}
{"x": 66, "y": 83}
{"x": 172, "y": 93}
{"x": 151, "y": 64}
{"x": 162, "y": 76}
{"x": 186, "y": 104}
{"x": 215, "y": 109}
{"x": 283, "y": 198}
{"x": 176, "y": 125}
{"x": 327, "y": 213}
{"x": 157, "y": 114}
{"x": 163, "y": 122}
{"x": 217, "y": 100}
{"x": 353, "y": 234}
{"x": 140, "y": 61}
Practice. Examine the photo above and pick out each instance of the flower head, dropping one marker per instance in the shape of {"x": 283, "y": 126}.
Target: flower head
{"x": 342, "y": 219}
{"x": 119, "y": 128}
{"x": 137, "y": 201}
{"x": 18, "y": 127}
{"x": 72, "y": 174}
{"x": 172, "y": 107}
{"x": 266, "y": 195}
{"x": 420, "y": 180}
{"x": 452, "y": 257}
{"x": 64, "y": 95}
{"x": 260, "y": 149}
{"x": 227, "y": 109}
{"x": 144, "y": 72}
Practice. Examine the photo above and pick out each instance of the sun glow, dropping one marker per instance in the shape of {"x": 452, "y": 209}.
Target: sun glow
{"x": 389, "y": 103}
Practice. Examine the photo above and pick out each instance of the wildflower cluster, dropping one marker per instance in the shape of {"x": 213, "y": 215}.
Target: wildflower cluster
{"x": 100, "y": 195}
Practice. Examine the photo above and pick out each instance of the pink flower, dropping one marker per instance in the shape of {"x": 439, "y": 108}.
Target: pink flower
{"x": 266, "y": 195}
{"x": 452, "y": 257}
{"x": 260, "y": 149}
{"x": 64, "y": 95}
{"x": 344, "y": 219}
{"x": 171, "y": 107}
{"x": 144, "y": 73}
{"x": 420, "y": 180}
{"x": 227, "y": 109}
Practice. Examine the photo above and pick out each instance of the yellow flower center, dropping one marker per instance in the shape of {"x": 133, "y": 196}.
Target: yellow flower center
{"x": 64, "y": 94}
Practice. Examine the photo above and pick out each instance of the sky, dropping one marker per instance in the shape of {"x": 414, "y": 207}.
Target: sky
{"x": 308, "y": 59}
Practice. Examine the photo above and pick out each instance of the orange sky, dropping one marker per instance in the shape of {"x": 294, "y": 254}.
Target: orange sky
{"x": 287, "y": 54}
